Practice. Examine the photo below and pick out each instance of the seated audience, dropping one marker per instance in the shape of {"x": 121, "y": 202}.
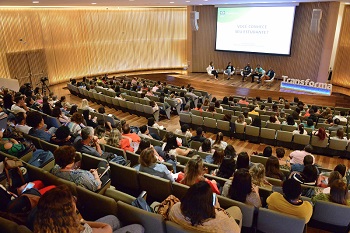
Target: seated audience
{"x": 57, "y": 113}
{"x": 308, "y": 176}
{"x": 76, "y": 124}
{"x": 171, "y": 146}
{"x": 62, "y": 137}
{"x": 12, "y": 147}
{"x": 21, "y": 125}
{"x": 340, "y": 135}
{"x": 151, "y": 122}
{"x": 65, "y": 168}
{"x": 289, "y": 202}
{"x": 241, "y": 189}
{"x": 149, "y": 164}
{"x": 267, "y": 152}
{"x": 197, "y": 212}
{"x": 300, "y": 130}
{"x": 241, "y": 120}
{"x": 87, "y": 117}
{"x": 297, "y": 156}
{"x": 206, "y": 147}
{"x": 85, "y": 105}
{"x": 57, "y": 212}
{"x": 257, "y": 171}
{"x": 335, "y": 126}
{"x": 290, "y": 121}
{"x": 19, "y": 105}
{"x": 217, "y": 157}
{"x": 116, "y": 139}
{"x": 284, "y": 163}
{"x": 185, "y": 131}
{"x": 88, "y": 143}
{"x": 308, "y": 160}
{"x": 338, "y": 194}
{"x": 36, "y": 121}
{"x": 273, "y": 168}
{"x": 194, "y": 172}
{"x": 199, "y": 135}
{"x": 243, "y": 101}
{"x": 256, "y": 122}
{"x": 219, "y": 141}
{"x": 133, "y": 136}
{"x": 243, "y": 160}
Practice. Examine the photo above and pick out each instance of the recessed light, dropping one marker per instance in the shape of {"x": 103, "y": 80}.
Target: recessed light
{"x": 93, "y": 3}
{"x": 188, "y": 1}
{"x": 35, "y": 2}
{"x": 131, "y": 0}
{"x": 171, "y": 2}
{"x": 205, "y": 0}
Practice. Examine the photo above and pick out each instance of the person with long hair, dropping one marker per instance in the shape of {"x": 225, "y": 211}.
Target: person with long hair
{"x": 89, "y": 121}
{"x": 257, "y": 171}
{"x": 321, "y": 134}
{"x": 243, "y": 160}
{"x": 273, "y": 168}
{"x": 57, "y": 212}
{"x": 338, "y": 194}
{"x": 300, "y": 130}
{"x": 219, "y": 141}
{"x": 194, "y": 172}
{"x": 196, "y": 211}
{"x": 211, "y": 108}
{"x": 57, "y": 113}
{"x": 256, "y": 122}
{"x": 171, "y": 146}
{"x": 85, "y": 105}
{"x": 340, "y": 135}
{"x": 241, "y": 120}
{"x": 217, "y": 157}
{"x": 243, "y": 190}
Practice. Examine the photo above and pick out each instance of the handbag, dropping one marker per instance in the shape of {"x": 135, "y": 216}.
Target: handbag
{"x": 164, "y": 207}
{"x": 16, "y": 173}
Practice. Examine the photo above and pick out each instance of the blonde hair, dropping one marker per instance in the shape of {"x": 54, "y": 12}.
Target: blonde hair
{"x": 193, "y": 171}
{"x": 114, "y": 138}
{"x": 147, "y": 157}
{"x": 257, "y": 171}
{"x": 84, "y": 104}
{"x": 240, "y": 119}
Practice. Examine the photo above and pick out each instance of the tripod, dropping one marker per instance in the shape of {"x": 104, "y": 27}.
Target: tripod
{"x": 44, "y": 86}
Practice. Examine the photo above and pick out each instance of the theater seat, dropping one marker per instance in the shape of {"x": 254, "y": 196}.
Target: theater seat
{"x": 270, "y": 221}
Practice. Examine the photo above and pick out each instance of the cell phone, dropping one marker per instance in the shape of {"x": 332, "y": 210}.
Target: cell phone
{"x": 2, "y": 130}
{"x": 214, "y": 198}
{"x": 28, "y": 186}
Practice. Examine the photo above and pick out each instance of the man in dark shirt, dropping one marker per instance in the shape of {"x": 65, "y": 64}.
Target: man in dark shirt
{"x": 199, "y": 137}
{"x": 268, "y": 75}
{"x": 247, "y": 71}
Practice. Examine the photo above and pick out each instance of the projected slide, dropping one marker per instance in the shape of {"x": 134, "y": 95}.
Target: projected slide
{"x": 255, "y": 29}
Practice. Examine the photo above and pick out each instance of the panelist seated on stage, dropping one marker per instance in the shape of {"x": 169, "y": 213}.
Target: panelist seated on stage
{"x": 230, "y": 70}
{"x": 259, "y": 71}
{"x": 211, "y": 70}
{"x": 246, "y": 72}
{"x": 268, "y": 75}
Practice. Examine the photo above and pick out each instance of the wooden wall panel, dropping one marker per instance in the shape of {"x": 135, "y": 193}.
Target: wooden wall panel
{"x": 341, "y": 74}
{"x": 80, "y": 42}
{"x": 305, "y": 53}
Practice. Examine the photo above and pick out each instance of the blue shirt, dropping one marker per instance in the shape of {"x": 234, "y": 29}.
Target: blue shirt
{"x": 39, "y": 133}
{"x": 158, "y": 169}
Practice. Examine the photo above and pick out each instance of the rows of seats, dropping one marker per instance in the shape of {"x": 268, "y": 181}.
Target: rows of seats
{"x": 273, "y": 134}
{"x": 119, "y": 104}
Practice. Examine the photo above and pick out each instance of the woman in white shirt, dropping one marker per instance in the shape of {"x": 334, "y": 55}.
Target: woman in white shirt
{"x": 300, "y": 130}
{"x": 85, "y": 105}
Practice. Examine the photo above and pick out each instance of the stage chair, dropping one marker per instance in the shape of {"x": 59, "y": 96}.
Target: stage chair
{"x": 269, "y": 82}
{"x": 251, "y": 71}
{"x": 226, "y": 73}
{"x": 209, "y": 71}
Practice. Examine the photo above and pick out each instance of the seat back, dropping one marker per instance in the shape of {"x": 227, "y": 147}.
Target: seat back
{"x": 133, "y": 158}
{"x": 301, "y": 139}
{"x": 315, "y": 141}
{"x": 247, "y": 210}
{"x": 119, "y": 196}
{"x": 172, "y": 227}
{"x": 337, "y": 144}
{"x": 157, "y": 188}
{"x": 273, "y": 126}
{"x": 268, "y": 133}
{"x": 185, "y": 118}
{"x": 152, "y": 222}
{"x": 258, "y": 159}
{"x": 270, "y": 221}
{"x": 289, "y": 128}
{"x": 118, "y": 180}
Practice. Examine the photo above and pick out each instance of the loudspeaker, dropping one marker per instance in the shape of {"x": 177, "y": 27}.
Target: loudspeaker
{"x": 315, "y": 20}
{"x": 194, "y": 18}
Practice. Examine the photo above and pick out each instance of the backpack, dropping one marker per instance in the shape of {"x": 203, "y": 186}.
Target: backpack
{"x": 16, "y": 173}
{"x": 141, "y": 204}
{"x": 164, "y": 207}
{"x": 40, "y": 158}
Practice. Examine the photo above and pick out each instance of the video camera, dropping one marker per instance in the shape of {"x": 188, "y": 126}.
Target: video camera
{"x": 44, "y": 79}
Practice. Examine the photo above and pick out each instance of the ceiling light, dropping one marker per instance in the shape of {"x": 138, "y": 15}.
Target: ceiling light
{"x": 131, "y": 0}
{"x": 35, "y": 2}
{"x": 171, "y": 2}
{"x": 205, "y": 0}
{"x": 188, "y": 1}
{"x": 93, "y": 3}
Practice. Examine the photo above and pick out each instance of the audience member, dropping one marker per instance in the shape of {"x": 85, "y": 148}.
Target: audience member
{"x": 273, "y": 169}
{"x": 36, "y": 121}
{"x": 289, "y": 202}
